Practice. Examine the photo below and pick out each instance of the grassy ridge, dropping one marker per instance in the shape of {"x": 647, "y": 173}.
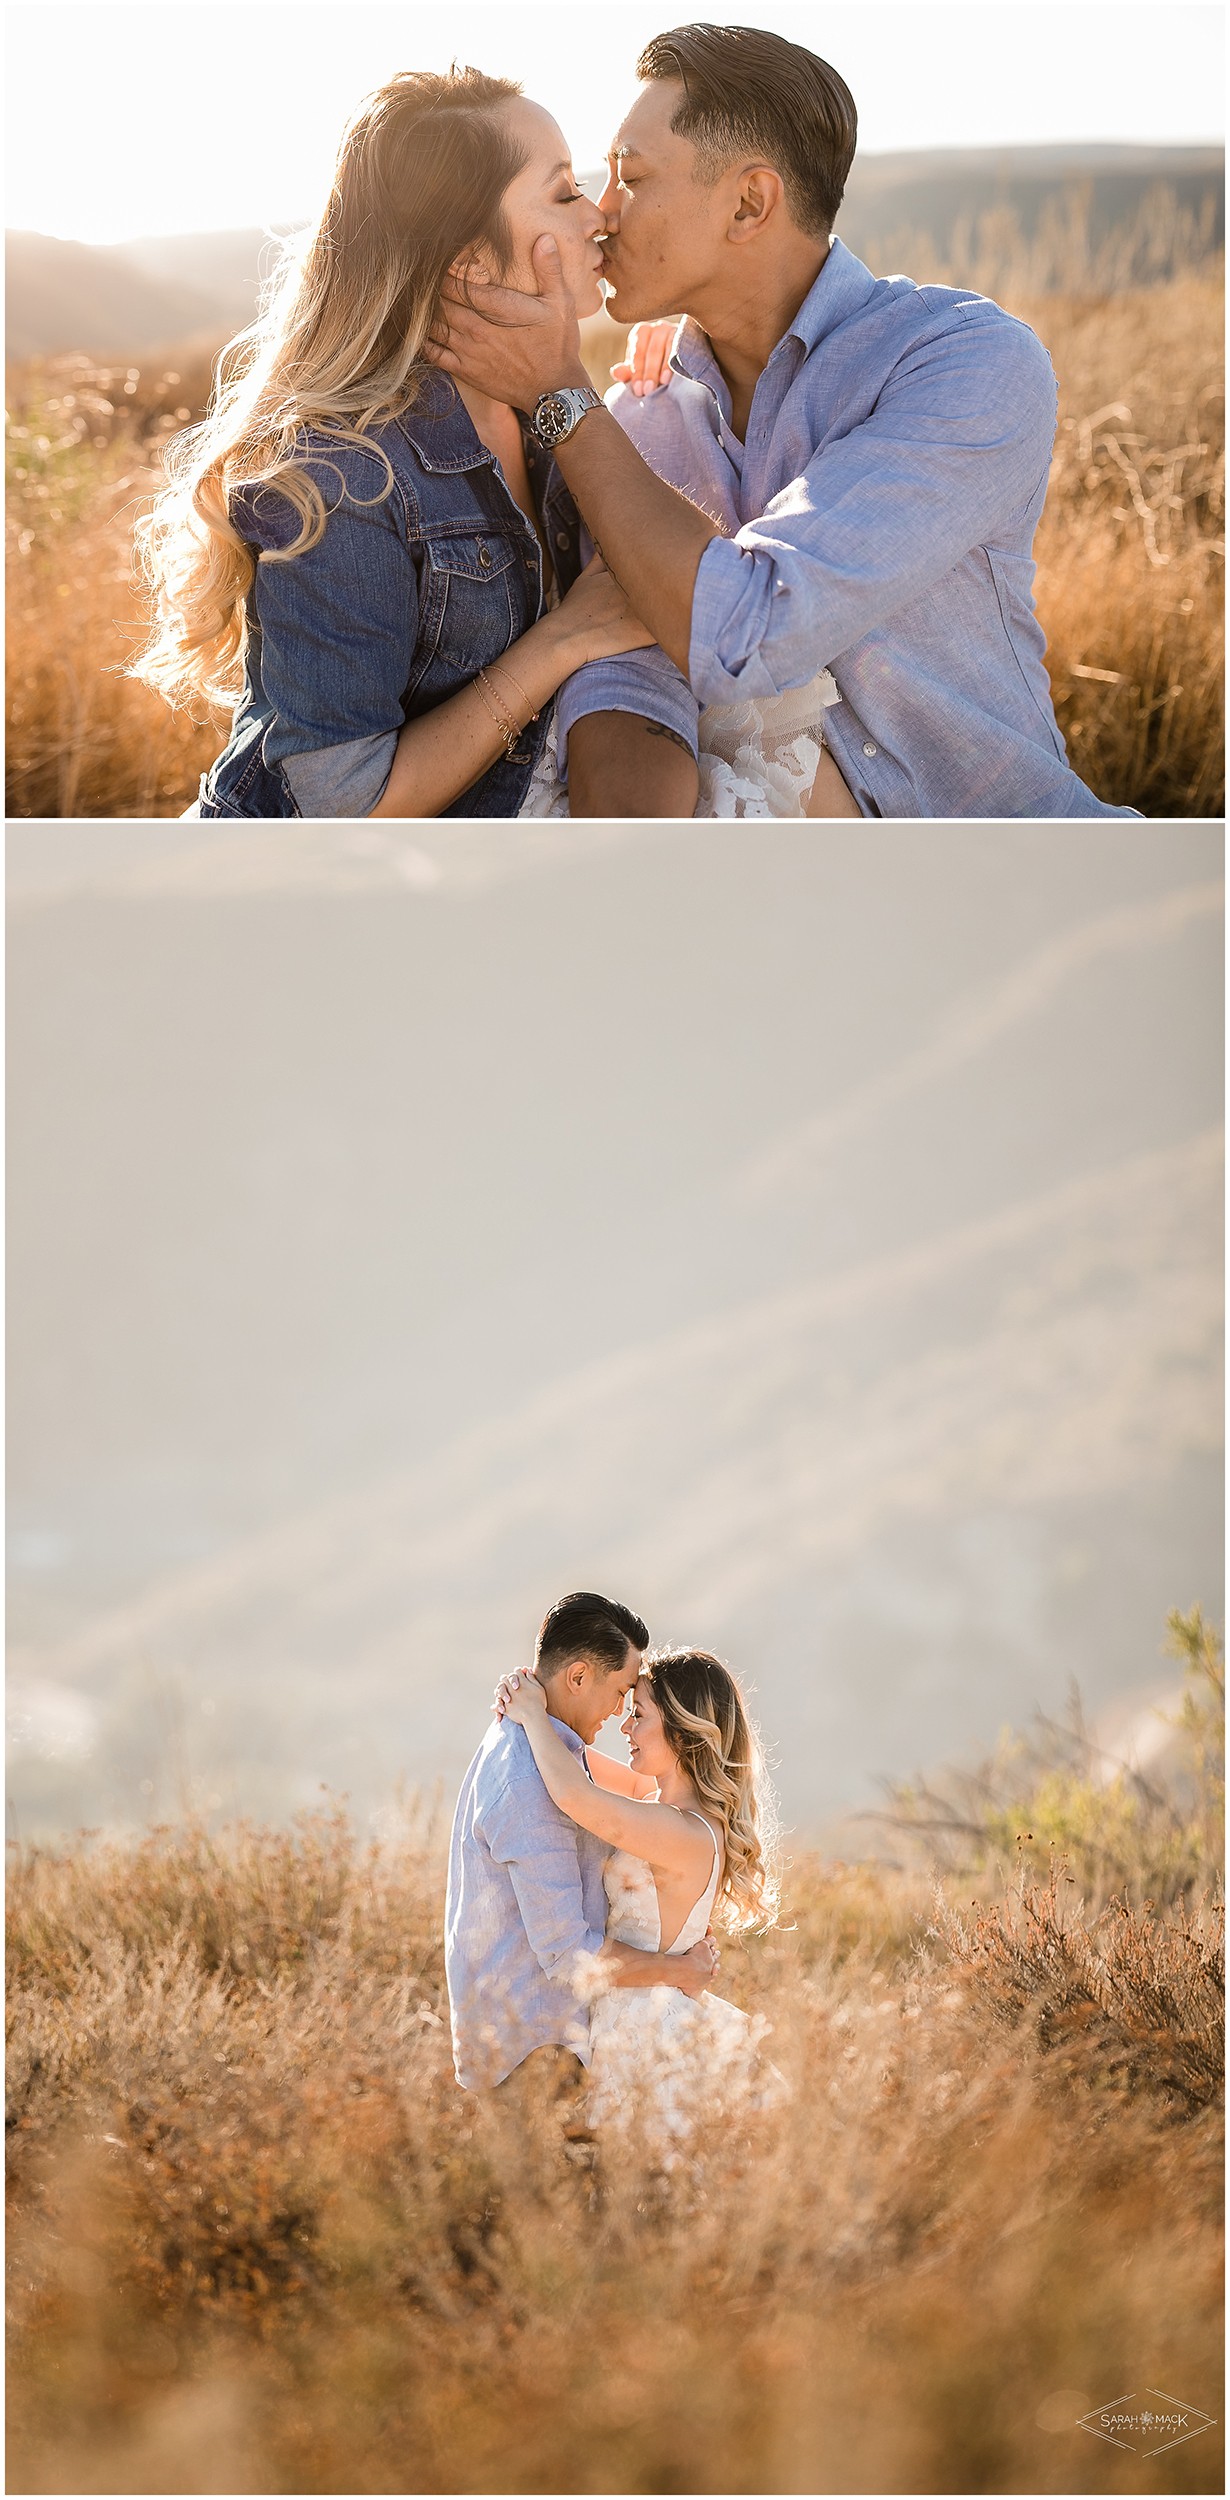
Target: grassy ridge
{"x": 1129, "y": 560}
{"x": 260, "y": 2242}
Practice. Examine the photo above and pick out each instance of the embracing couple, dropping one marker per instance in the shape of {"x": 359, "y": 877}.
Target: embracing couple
{"x": 436, "y": 575}
{"x": 581, "y": 1891}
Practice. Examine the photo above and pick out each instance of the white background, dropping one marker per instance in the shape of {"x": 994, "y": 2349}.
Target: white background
{"x": 165, "y": 119}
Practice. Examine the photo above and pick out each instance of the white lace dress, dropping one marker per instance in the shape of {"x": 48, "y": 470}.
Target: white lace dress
{"x": 756, "y": 759}
{"x": 663, "y": 2064}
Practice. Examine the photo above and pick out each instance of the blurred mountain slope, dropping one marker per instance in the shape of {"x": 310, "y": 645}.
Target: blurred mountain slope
{"x": 170, "y": 291}
{"x": 1061, "y": 1360}
{"x": 817, "y": 1243}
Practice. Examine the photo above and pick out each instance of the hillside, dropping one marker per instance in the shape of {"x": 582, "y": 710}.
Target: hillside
{"x": 97, "y": 300}
{"x": 872, "y": 1338}
{"x": 1140, "y": 211}
{"x": 1147, "y": 210}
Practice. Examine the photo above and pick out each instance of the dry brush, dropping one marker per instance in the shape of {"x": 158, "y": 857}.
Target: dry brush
{"x": 259, "y": 2240}
{"x": 1129, "y": 553}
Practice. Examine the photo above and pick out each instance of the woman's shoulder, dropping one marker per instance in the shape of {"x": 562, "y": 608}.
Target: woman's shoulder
{"x": 346, "y": 468}
{"x": 702, "y": 1822}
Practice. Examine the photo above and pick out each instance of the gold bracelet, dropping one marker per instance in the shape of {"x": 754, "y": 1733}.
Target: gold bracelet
{"x": 500, "y": 699}
{"x": 502, "y": 663}
{"x": 513, "y": 728}
{"x": 505, "y": 736}
{"x": 509, "y": 732}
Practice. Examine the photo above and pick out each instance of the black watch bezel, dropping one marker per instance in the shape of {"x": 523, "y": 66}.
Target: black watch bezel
{"x": 548, "y": 427}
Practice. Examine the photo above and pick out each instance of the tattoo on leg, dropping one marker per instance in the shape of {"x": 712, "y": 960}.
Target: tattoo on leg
{"x": 658, "y": 729}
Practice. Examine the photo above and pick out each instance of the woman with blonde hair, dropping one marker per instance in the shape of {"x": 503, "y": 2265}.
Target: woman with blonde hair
{"x": 686, "y": 1820}
{"x": 379, "y": 567}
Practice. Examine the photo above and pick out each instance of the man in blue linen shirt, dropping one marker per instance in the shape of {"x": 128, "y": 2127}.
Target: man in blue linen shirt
{"x": 844, "y": 472}
{"x": 525, "y": 1915}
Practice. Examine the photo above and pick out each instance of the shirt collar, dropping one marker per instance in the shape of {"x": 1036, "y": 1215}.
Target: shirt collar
{"x": 842, "y": 288}
{"x": 574, "y": 1743}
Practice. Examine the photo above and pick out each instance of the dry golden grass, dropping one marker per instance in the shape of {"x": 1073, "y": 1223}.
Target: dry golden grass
{"x": 1119, "y": 1830}
{"x": 1129, "y": 556}
{"x": 259, "y": 2241}
{"x": 82, "y": 740}
{"x": 1131, "y": 547}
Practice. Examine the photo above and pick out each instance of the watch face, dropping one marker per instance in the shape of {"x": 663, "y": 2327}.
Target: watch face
{"x": 552, "y": 419}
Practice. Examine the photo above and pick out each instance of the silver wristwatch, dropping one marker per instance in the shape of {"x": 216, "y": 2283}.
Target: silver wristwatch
{"x": 559, "y": 412}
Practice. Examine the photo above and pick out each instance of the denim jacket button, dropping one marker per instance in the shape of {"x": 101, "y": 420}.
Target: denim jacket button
{"x": 561, "y": 538}
{"x": 484, "y": 555}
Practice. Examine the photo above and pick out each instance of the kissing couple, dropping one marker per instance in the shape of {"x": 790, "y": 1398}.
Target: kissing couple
{"x": 581, "y": 1890}
{"x": 432, "y": 573}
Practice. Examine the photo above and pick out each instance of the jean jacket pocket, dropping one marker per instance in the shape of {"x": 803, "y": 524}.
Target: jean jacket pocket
{"x": 473, "y": 603}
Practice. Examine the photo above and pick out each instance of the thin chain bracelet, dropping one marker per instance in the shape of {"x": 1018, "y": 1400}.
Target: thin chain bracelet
{"x": 520, "y": 688}
{"x": 507, "y": 727}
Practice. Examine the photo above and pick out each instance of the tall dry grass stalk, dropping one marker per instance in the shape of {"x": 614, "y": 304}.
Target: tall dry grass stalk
{"x": 1130, "y": 554}
{"x": 1068, "y": 248}
{"x": 1131, "y": 549}
{"x": 259, "y": 2240}
{"x": 1121, "y": 1830}
{"x": 82, "y": 464}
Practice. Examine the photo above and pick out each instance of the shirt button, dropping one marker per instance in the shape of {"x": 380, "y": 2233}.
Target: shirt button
{"x": 868, "y": 748}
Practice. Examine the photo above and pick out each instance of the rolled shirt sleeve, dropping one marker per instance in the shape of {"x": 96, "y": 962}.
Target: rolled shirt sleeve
{"x": 956, "y": 447}
{"x": 645, "y": 682}
{"x": 338, "y": 624}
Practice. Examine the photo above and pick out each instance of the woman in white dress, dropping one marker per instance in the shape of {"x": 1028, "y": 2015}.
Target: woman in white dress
{"x": 685, "y": 1820}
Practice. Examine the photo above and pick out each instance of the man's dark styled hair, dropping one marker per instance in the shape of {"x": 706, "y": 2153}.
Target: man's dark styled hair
{"x": 585, "y": 1626}
{"x": 746, "y": 90}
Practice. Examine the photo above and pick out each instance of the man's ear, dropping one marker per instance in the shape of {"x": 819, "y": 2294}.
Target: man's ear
{"x": 761, "y": 193}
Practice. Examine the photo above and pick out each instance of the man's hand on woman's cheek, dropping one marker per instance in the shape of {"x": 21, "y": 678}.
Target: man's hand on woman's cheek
{"x": 512, "y": 345}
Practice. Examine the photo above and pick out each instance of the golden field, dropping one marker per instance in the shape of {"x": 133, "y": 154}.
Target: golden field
{"x": 1129, "y": 555}
{"x": 259, "y": 2241}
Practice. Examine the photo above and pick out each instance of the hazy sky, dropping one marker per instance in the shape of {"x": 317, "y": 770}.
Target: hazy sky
{"x": 170, "y": 118}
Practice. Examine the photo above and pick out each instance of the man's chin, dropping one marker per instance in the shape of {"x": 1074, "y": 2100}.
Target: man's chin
{"x": 626, "y": 307}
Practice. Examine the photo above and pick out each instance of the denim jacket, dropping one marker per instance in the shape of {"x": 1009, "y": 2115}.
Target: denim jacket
{"x": 400, "y": 603}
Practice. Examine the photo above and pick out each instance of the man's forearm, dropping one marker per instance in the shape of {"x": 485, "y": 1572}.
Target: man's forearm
{"x": 523, "y": 347}
{"x": 650, "y": 536}
{"x": 626, "y": 1966}
{"x": 620, "y": 764}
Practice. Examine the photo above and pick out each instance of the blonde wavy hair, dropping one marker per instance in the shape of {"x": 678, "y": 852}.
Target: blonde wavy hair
{"x": 419, "y": 181}
{"x": 707, "y": 1728}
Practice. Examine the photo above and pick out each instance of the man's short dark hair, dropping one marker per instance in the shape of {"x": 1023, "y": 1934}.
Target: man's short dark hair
{"x": 586, "y": 1626}
{"x": 745, "y": 90}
